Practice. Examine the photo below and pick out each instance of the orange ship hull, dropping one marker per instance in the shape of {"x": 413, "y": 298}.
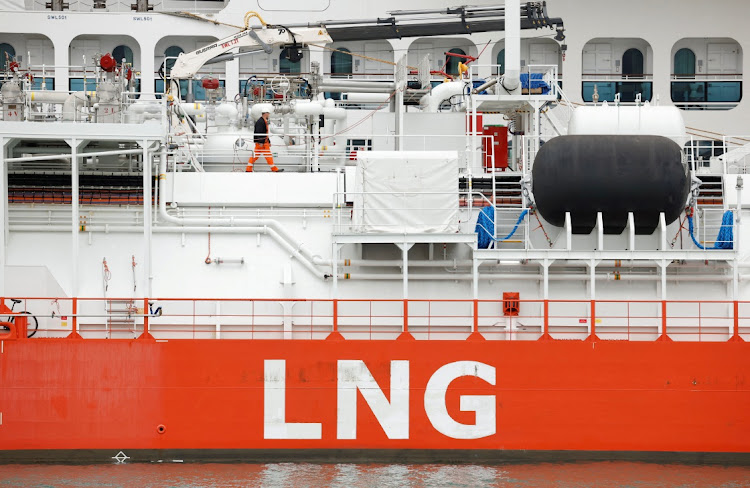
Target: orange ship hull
{"x": 60, "y": 395}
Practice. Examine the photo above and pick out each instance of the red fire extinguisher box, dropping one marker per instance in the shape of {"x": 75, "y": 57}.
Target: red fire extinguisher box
{"x": 496, "y": 144}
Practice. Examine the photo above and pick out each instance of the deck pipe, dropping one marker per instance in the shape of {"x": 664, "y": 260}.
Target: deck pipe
{"x": 609, "y": 276}
{"x": 270, "y": 227}
{"x": 70, "y": 102}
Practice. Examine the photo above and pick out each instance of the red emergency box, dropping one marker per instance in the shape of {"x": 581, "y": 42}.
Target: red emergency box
{"x": 511, "y": 303}
{"x": 495, "y": 142}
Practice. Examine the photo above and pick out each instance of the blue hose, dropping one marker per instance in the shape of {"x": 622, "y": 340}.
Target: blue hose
{"x": 485, "y": 227}
{"x": 725, "y": 238}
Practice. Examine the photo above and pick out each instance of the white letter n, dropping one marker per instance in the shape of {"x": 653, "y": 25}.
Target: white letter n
{"x": 274, "y": 406}
{"x": 393, "y": 416}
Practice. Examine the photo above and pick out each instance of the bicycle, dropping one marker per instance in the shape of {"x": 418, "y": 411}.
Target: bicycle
{"x": 31, "y": 317}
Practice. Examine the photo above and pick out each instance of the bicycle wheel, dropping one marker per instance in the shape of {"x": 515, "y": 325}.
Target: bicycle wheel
{"x": 29, "y": 322}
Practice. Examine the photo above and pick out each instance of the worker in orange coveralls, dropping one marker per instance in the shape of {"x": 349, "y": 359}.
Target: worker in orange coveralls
{"x": 262, "y": 145}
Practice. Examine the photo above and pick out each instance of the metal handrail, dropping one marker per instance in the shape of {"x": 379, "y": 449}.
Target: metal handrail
{"x": 451, "y": 319}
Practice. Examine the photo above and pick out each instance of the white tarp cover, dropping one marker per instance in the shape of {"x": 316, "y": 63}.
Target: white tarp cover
{"x": 406, "y": 192}
{"x": 11, "y": 6}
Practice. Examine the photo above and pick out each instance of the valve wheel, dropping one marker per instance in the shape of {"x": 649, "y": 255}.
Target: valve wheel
{"x": 280, "y": 85}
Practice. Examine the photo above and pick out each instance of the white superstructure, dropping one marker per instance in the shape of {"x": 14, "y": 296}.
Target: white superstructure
{"x": 356, "y": 124}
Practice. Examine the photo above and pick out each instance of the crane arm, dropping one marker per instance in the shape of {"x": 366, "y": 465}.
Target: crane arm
{"x": 187, "y": 64}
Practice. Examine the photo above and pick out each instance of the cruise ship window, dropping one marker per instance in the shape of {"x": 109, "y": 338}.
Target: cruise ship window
{"x": 341, "y": 61}
{"x": 451, "y": 62}
{"x": 684, "y": 63}
{"x": 286, "y": 65}
{"x": 123, "y": 52}
{"x": 49, "y": 83}
{"x": 198, "y": 91}
{"x": 632, "y": 63}
{"x": 79, "y": 84}
{"x": 707, "y": 75}
{"x": 501, "y": 62}
{"x": 7, "y": 53}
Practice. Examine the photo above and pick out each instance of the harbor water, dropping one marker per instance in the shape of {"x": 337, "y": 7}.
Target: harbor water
{"x": 298, "y": 475}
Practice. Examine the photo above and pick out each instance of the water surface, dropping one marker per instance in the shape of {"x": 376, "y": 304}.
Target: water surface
{"x": 567, "y": 475}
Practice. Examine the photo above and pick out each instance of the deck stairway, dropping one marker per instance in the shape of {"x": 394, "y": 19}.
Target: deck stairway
{"x": 508, "y": 191}
{"x": 121, "y": 318}
{"x": 711, "y": 191}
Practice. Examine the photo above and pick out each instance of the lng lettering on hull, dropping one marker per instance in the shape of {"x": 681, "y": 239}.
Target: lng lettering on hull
{"x": 393, "y": 415}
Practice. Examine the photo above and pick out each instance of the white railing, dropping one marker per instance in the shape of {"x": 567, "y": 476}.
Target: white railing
{"x": 80, "y": 107}
{"x": 329, "y": 152}
{"x": 707, "y": 77}
{"x": 707, "y": 228}
{"x": 609, "y": 77}
{"x": 705, "y": 105}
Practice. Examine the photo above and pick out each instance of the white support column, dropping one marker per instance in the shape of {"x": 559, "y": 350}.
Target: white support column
{"x": 475, "y": 278}
{"x": 74, "y": 216}
{"x": 663, "y": 232}
{"x": 661, "y": 71}
{"x": 512, "y": 43}
{"x": 399, "y": 120}
{"x": 662, "y": 263}
{"x": 631, "y": 232}
{"x": 476, "y": 142}
{"x": 232, "y": 79}
{"x": 405, "y": 266}
{"x": 318, "y": 55}
{"x": 399, "y": 72}
{"x": 405, "y": 269}
{"x": 335, "y": 270}
{"x": 62, "y": 61}
{"x": 545, "y": 293}
{"x": 217, "y": 311}
{"x": 146, "y": 67}
{"x": 592, "y": 290}
{"x": 736, "y": 244}
{"x": 3, "y": 213}
{"x": 316, "y": 144}
{"x": 147, "y": 236}
{"x": 288, "y": 308}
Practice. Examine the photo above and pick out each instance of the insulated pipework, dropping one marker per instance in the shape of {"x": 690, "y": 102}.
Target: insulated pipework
{"x": 512, "y": 75}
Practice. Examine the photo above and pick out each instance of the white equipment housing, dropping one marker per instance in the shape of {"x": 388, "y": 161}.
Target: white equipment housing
{"x": 390, "y": 192}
